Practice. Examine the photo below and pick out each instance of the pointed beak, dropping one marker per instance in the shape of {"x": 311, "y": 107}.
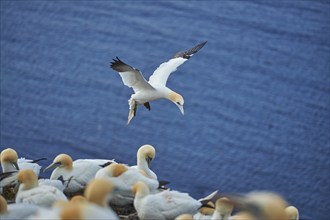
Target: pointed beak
{"x": 149, "y": 159}
{"x": 16, "y": 165}
{"x": 52, "y": 166}
{"x": 181, "y": 109}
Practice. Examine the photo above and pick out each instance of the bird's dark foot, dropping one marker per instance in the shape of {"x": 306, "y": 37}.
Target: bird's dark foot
{"x": 147, "y": 105}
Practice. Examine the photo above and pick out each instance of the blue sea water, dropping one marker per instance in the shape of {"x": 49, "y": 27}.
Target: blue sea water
{"x": 256, "y": 96}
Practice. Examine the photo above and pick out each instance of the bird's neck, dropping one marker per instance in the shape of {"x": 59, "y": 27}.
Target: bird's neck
{"x": 28, "y": 186}
{"x": 142, "y": 164}
{"x": 8, "y": 167}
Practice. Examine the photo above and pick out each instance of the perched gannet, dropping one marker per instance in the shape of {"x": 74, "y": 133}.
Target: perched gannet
{"x": 145, "y": 155}
{"x": 164, "y": 205}
{"x": 292, "y": 212}
{"x": 262, "y": 205}
{"x": 85, "y": 211}
{"x": 223, "y": 209}
{"x": 75, "y": 174}
{"x": 11, "y": 162}
{"x": 30, "y": 192}
{"x": 97, "y": 193}
{"x": 16, "y": 211}
{"x": 155, "y": 88}
{"x": 123, "y": 178}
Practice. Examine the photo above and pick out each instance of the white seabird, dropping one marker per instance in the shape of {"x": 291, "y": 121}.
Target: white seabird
{"x": 30, "y": 192}
{"x": 123, "y": 178}
{"x": 97, "y": 193}
{"x": 16, "y": 211}
{"x": 10, "y": 162}
{"x": 155, "y": 88}
{"x": 145, "y": 155}
{"x": 223, "y": 209}
{"x": 164, "y": 205}
{"x": 75, "y": 174}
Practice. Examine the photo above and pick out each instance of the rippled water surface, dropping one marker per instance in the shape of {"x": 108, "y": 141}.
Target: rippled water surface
{"x": 256, "y": 96}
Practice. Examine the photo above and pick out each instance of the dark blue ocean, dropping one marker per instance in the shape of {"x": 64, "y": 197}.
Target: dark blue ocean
{"x": 256, "y": 96}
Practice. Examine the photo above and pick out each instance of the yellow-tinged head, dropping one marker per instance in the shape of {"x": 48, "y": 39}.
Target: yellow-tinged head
{"x": 28, "y": 179}
{"x": 146, "y": 153}
{"x": 9, "y": 156}
{"x": 116, "y": 170}
{"x": 177, "y": 99}
{"x": 98, "y": 191}
{"x": 72, "y": 211}
{"x": 224, "y": 205}
{"x": 292, "y": 212}
{"x": 78, "y": 199}
{"x": 62, "y": 161}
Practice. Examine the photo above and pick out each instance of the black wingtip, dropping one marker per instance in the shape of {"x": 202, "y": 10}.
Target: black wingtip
{"x": 119, "y": 66}
{"x": 189, "y": 53}
{"x": 162, "y": 184}
{"x": 37, "y": 160}
{"x": 203, "y": 43}
{"x": 115, "y": 63}
{"x": 106, "y": 164}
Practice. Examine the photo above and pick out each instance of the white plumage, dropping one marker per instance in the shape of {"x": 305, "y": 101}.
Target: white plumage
{"x": 16, "y": 211}
{"x": 25, "y": 164}
{"x": 123, "y": 178}
{"x": 30, "y": 192}
{"x": 145, "y": 155}
{"x": 75, "y": 174}
{"x": 146, "y": 91}
{"x": 43, "y": 195}
{"x": 10, "y": 162}
{"x": 164, "y": 205}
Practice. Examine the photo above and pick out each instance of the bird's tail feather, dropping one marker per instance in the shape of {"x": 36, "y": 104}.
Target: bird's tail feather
{"x": 132, "y": 110}
{"x": 209, "y": 197}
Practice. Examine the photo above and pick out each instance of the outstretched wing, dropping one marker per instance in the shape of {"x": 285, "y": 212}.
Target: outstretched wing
{"x": 131, "y": 77}
{"x": 161, "y": 74}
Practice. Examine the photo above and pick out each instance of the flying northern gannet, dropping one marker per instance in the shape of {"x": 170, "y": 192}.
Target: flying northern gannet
{"x": 146, "y": 91}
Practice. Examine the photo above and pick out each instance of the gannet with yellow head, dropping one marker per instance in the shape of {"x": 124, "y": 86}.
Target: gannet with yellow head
{"x": 146, "y": 91}
{"x": 75, "y": 174}
{"x": 123, "y": 178}
{"x": 167, "y": 204}
{"x": 145, "y": 155}
{"x": 30, "y": 192}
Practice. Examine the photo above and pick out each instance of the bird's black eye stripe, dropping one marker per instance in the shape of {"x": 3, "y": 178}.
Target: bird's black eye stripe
{"x": 178, "y": 103}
